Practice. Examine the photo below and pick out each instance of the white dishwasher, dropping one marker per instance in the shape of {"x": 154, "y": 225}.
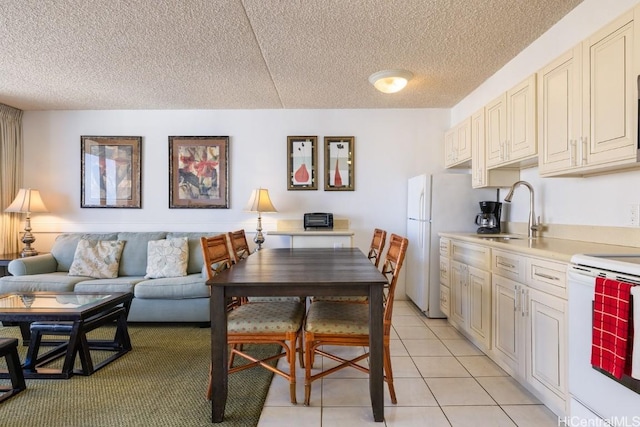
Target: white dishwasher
{"x": 593, "y": 394}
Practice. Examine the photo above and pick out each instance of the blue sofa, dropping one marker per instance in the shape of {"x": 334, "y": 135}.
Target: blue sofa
{"x": 166, "y": 299}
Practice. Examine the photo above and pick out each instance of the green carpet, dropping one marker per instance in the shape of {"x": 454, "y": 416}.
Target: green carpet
{"x": 161, "y": 382}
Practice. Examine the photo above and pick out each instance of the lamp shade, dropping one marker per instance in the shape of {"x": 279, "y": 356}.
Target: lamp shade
{"x": 390, "y": 81}
{"x": 27, "y": 201}
{"x": 260, "y": 201}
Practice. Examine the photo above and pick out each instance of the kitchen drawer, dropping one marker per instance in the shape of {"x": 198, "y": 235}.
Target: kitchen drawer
{"x": 444, "y": 271}
{"x": 509, "y": 265}
{"x": 547, "y": 276}
{"x": 445, "y": 244}
{"x": 470, "y": 254}
{"x": 444, "y": 299}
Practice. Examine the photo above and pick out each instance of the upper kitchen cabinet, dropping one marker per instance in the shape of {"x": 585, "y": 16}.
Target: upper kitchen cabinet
{"x": 457, "y": 145}
{"x": 560, "y": 113}
{"x": 511, "y": 127}
{"x": 588, "y": 104}
{"x": 480, "y": 175}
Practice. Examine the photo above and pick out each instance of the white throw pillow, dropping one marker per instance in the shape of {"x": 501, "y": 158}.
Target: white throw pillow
{"x": 167, "y": 258}
{"x": 99, "y": 259}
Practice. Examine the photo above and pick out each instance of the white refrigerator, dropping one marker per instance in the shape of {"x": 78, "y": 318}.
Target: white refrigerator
{"x": 436, "y": 203}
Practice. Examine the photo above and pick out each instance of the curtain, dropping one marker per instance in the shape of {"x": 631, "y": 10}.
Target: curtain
{"x": 11, "y": 171}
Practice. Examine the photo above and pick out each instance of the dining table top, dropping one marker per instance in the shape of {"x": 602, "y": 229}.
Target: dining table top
{"x": 287, "y": 267}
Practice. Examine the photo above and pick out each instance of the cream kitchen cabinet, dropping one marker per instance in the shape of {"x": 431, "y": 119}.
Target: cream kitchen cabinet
{"x": 529, "y": 324}
{"x": 587, "y": 103}
{"x": 560, "y": 113}
{"x": 457, "y": 145}
{"x": 445, "y": 290}
{"x": 470, "y": 292}
{"x": 511, "y": 127}
{"x": 481, "y": 176}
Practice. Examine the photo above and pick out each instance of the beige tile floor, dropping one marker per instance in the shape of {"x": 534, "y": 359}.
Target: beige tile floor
{"x": 441, "y": 379}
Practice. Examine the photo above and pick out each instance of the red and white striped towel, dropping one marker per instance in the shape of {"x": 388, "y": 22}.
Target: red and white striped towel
{"x": 612, "y": 329}
{"x": 635, "y": 359}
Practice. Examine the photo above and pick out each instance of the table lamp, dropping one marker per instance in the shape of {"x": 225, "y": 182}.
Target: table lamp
{"x": 260, "y": 202}
{"x": 27, "y": 201}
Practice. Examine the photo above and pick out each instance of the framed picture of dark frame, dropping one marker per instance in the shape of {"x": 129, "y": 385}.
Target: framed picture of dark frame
{"x": 199, "y": 172}
{"x": 302, "y": 163}
{"x": 110, "y": 172}
{"x": 339, "y": 163}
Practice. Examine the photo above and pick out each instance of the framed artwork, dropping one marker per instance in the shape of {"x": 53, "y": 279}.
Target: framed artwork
{"x": 302, "y": 163}
{"x": 199, "y": 172}
{"x": 339, "y": 163}
{"x": 110, "y": 172}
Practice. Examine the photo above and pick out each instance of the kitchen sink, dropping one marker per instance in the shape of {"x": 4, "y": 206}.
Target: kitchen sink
{"x": 498, "y": 238}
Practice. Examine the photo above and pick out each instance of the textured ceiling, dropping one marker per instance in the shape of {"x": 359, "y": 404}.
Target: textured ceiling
{"x": 257, "y": 54}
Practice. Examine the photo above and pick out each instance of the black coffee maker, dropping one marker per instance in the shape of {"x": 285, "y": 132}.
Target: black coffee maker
{"x": 489, "y": 217}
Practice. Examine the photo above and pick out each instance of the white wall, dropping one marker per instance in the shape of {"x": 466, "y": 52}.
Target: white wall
{"x": 390, "y": 146}
{"x": 596, "y": 200}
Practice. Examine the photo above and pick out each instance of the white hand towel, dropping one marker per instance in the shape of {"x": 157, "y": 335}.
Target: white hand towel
{"x": 635, "y": 358}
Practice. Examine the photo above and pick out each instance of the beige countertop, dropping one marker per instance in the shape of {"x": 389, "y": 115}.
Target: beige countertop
{"x": 545, "y": 247}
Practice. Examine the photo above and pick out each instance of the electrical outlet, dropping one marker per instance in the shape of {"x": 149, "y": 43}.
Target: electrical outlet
{"x": 634, "y": 215}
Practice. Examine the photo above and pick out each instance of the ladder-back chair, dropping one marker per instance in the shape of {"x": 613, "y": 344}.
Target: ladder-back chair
{"x": 256, "y": 323}
{"x": 340, "y": 324}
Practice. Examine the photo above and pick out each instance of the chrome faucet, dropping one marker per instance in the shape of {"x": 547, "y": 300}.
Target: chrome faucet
{"x": 532, "y": 226}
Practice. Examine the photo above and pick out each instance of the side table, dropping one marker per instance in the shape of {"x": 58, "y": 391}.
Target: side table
{"x": 5, "y": 259}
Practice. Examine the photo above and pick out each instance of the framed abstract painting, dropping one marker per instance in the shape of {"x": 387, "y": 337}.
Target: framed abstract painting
{"x": 110, "y": 172}
{"x": 339, "y": 163}
{"x": 199, "y": 172}
{"x": 302, "y": 163}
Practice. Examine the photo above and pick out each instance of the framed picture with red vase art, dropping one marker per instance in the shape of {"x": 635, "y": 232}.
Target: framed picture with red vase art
{"x": 199, "y": 172}
{"x": 339, "y": 163}
{"x": 302, "y": 163}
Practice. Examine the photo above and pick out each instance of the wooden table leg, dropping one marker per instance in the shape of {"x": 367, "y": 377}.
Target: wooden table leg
{"x": 219, "y": 356}
{"x": 70, "y": 357}
{"x": 376, "y": 372}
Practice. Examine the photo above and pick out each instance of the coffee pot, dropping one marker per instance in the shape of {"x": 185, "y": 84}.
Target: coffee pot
{"x": 489, "y": 217}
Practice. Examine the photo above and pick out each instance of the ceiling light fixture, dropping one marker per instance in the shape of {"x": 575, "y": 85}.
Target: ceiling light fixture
{"x": 390, "y": 81}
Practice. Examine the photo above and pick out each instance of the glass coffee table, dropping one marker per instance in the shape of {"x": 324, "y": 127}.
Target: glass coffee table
{"x": 71, "y": 314}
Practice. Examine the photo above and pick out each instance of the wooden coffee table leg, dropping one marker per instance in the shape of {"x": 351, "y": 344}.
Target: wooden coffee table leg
{"x": 70, "y": 357}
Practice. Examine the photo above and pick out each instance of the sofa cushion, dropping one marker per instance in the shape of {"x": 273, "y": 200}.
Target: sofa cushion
{"x": 56, "y": 282}
{"x": 134, "y": 255}
{"x": 167, "y": 258}
{"x": 97, "y": 258}
{"x": 119, "y": 284}
{"x": 64, "y": 247}
{"x": 196, "y": 261}
{"x": 191, "y": 286}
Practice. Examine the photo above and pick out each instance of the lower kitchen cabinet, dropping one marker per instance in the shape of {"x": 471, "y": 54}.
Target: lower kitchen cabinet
{"x": 546, "y": 347}
{"x": 470, "y": 299}
{"x": 513, "y": 307}
{"x": 508, "y": 337}
{"x": 529, "y": 339}
{"x": 445, "y": 291}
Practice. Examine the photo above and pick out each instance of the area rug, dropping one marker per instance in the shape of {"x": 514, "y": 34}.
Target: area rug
{"x": 161, "y": 382}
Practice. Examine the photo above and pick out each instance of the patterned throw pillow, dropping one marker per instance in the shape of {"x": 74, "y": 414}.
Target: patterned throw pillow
{"x": 167, "y": 258}
{"x": 99, "y": 259}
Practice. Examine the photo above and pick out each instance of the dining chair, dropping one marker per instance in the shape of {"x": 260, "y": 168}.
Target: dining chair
{"x": 239, "y": 245}
{"x": 374, "y": 254}
{"x": 377, "y": 244}
{"x": 275, "y": 322}
{"x": 338, "y": 324}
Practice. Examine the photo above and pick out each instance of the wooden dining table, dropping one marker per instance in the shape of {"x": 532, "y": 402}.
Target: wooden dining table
{"x": 298, "y": 272}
